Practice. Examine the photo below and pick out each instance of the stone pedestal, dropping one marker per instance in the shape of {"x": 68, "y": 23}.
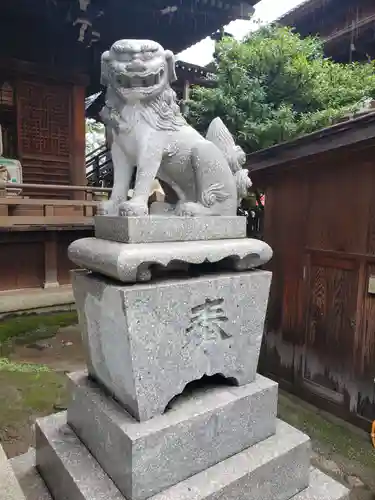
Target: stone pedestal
{"x": 145, "y": 343}
{"x": 171, "y": 407}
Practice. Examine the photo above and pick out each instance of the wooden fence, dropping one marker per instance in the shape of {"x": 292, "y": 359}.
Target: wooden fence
{"x": 24, "y": 213}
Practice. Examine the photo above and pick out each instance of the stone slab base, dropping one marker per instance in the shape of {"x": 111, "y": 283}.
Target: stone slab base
{"x": 321, "y": 486}
{"x": 146, "y": 342}
{"x": 275, "y": 469}
{"x": 198, "y": 431}
{"x": 157, "y": 229}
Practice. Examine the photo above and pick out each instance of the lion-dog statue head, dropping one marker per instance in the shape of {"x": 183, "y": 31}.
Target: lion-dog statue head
{"x": 137, "y": 70}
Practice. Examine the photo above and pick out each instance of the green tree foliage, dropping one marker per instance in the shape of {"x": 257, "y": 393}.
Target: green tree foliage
{"x": 275, "y": 86}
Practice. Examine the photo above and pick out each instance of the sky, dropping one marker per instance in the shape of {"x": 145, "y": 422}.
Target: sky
{"x": 265, "y": 11}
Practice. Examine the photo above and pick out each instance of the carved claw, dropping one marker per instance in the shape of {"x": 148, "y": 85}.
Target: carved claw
{"x": 190, "y": 209}
{"x": 132, "y": 208}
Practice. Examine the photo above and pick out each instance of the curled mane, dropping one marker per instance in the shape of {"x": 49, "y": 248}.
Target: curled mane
{"x": 163, "y": 113}
{"x": 160, "y": 113}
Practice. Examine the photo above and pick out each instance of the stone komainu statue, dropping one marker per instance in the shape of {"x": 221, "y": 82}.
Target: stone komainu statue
{"x": 146, "y": 129}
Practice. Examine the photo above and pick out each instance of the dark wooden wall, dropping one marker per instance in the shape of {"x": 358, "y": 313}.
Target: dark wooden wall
{"x": 320, "y": 332}
{"x": 34, "y": 259}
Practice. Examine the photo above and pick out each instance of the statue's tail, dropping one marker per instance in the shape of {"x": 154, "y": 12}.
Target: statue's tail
{"x": 219, "y": 134}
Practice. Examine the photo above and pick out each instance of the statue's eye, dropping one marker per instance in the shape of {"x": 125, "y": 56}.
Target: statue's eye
{"x": 147, "y": 56}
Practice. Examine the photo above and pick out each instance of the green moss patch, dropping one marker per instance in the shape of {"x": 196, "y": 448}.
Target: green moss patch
{"x": 30, "y": 328}
{"x": 26, "y": 393}
{"x": 332, "y": 438}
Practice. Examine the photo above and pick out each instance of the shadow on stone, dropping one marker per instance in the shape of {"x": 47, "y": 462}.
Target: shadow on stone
{"x": 200, "y": 386}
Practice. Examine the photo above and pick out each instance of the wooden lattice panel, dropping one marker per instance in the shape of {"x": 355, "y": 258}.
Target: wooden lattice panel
{"x": 44, "y": 119}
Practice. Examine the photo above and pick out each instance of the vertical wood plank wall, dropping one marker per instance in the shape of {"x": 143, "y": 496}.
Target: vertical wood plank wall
{"x": 320, "y": 332}
{"x": 36, "y": 259}
{"x": 51, "y": 147}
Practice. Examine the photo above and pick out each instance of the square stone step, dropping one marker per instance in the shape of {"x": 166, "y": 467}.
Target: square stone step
{"x": 32, "y": 485}
{"x": 322, "y": 487}
{"x": 66, "y": 466}
{"x": 201, "y": 429}
{"x": 9, "y": 486}
{"x": 275, "y": 469}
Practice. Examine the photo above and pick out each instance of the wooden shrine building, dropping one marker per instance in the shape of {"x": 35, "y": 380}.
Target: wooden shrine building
{"x": 49, "y": 62}
{"x": 347, "y": 27}
{"x": 320, "y": 221}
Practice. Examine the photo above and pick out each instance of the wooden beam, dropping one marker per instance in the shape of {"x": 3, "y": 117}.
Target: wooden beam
{"x": 18, "y": 67}
{"x": 42, "y": 202}
{"x": 78, "y": 140}
{"x": 50, "y": 262}
{"x": 25, "y": 220}
{"x": 356, "y": 131}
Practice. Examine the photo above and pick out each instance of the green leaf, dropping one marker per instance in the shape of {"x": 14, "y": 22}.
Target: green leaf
{"x": 275, "y": 86}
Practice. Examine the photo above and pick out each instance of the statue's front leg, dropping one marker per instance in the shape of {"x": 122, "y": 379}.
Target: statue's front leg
{"x": 147, "y": 168}
{"x": 122, "y": 174}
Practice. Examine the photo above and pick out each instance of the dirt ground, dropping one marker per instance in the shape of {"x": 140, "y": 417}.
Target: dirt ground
{"x": 33, "y": 384}
{"x": 339, "y": 449}
{"x": 28, "y": 390}
{"x": 62, "y": 353}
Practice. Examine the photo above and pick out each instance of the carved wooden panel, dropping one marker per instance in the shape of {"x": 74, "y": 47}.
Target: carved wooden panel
{"x": 44, "y": 171}
{"x": 339, "y": 197}
{"x": 44, "y": 119}
{"x": 331, "y": 321}
{"x": 365, "y": 349}
{"x": 7, "y": 94}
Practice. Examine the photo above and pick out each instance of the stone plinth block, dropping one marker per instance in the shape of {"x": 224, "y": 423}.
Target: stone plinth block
{"x": 146, "y": 342}
{"x": 128, "y": 262}
{"x": 157, "y": 229}
{"x": 274, "y": 469}
{"x": 201, "y": 429}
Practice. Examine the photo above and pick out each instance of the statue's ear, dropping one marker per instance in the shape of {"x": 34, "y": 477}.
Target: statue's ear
{"x": 104, "y": 69}
{"x": 171, "y": 62}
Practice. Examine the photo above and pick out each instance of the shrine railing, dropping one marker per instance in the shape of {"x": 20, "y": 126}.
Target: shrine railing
{"x": 17, "y": 212}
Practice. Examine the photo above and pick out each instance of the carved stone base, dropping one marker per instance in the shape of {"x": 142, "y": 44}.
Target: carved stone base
{"x": 274, "y": 469}
{"x": 130, "y": 263}
{"x": 201, "y": 429}
{"x": 145, "y": 343}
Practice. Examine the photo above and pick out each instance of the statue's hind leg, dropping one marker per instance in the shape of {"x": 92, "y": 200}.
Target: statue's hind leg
{"x": 216, "y": 186}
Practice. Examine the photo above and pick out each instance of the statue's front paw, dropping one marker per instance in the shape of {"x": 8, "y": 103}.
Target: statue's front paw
{"x": 109, "y": 207}
{"x": 133, "y": 208}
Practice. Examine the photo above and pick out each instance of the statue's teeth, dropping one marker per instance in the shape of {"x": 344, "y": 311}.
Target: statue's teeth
{"x": 137, "y": 81}
{"x": 150, "y": 80}
{"x": 126, "y": 82}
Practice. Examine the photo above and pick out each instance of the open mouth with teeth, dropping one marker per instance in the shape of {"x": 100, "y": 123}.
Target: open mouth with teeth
{"x": 139, "y": 81}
